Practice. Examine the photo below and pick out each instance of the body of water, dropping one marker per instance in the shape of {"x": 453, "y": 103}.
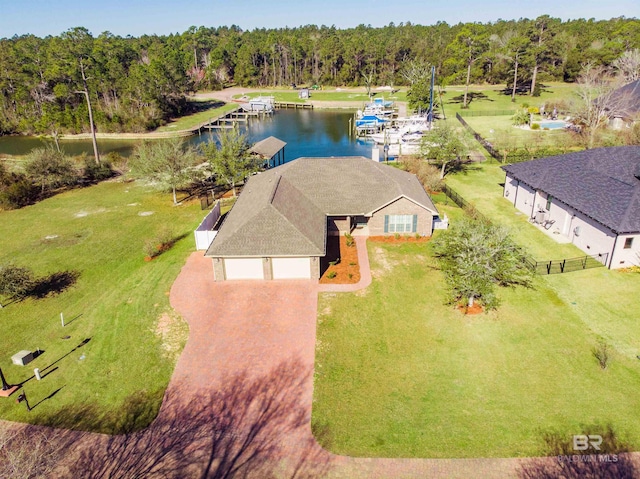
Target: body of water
{"x": 306, "y": 132}
{"x": 552, "y": 124}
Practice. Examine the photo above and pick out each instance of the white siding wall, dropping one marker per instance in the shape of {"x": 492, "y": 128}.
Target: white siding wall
{"x": 593, "y": 238}
{"x": 623, "y": 258}
{"x": 520, "y": 195}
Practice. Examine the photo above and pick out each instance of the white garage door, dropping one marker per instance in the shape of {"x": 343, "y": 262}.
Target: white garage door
{"x": 243, "y": 268}
{"x": 291, "y": 268}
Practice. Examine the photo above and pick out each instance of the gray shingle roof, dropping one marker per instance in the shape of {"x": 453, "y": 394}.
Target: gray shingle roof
{"x": 601, "y": 183}
{"x": 269, "y": 147}
{"x": 352, "y": 185}
{"x": 627, "y": 100}
{"x": 282, "y": 211}
{"x": 271, "y": 217}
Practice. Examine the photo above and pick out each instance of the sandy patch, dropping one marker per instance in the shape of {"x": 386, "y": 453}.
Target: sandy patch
{"x": 383, "y": 263}
{"x": 145, "y": 213}
{"x": 173, "y": 332}
{"x": 81, "y": 214}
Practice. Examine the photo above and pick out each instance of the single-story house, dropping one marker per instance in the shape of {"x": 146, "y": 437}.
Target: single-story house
{"x": 279, "y": 225}
{"x": 591, "y": 197}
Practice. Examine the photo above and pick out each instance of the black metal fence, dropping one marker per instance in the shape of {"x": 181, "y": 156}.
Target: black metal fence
{"x": 485, "y": 144}
{"x": 487, "y": 113}
{"x": 566, "y": 265}
{"x": 464, "y": 204}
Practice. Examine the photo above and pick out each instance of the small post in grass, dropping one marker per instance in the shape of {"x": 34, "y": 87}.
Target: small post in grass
{"x": 23, "y": 398}
{"x": 62, "y": 319}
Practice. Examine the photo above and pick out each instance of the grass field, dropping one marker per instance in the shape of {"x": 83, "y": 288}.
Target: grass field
{"x": 608, "y": 309}
{"x": 499, "y": 131}
{"x": 119, "y": 303}
{"x": 401, "y": 374}
{"x": 482, "y": 97}
{"x": 208, "y": 110}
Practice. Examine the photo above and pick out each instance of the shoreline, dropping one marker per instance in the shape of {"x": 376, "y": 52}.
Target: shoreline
{"x": 226, "y": 96}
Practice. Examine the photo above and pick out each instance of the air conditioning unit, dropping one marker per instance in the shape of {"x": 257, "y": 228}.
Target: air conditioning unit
{"x": 576, "y": 231}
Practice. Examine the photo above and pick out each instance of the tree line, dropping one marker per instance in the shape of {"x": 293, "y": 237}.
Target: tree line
{"x": 136, "y": 84}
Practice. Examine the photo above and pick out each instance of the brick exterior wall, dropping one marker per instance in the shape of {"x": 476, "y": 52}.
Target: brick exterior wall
{"x": 402, "y": 206}
{"x": 266, "y": 268}
{"x": 218, "y": 269}
{"x": 315, "y": 267}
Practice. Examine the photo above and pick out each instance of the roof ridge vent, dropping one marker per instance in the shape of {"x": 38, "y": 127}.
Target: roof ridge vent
{"x": 275, "y": 188}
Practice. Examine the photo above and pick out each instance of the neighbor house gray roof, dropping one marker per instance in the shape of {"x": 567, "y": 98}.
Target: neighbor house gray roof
{"x": 269, "y": 147}
{"x": 602, "y": 183}
{"x": 625, "y": 100}
{"x": 283, "y": 211}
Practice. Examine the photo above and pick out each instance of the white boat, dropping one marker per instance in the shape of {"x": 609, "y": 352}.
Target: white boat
{"x": 377, "y": 110}
{"x": 416, "y": 122}
{"x": 395, "y": 136}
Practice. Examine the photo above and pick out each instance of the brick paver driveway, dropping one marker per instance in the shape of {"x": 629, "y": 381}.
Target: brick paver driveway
{"x": 262, "y": 334}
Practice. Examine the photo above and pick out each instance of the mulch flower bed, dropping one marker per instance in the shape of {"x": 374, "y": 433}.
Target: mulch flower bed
{"x": 347, "y": 270}
{"x": 475, "y": 309}
{"x": 399, "y": 240}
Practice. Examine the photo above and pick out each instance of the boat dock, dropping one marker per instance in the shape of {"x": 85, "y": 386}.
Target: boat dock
{"x": 293, "y": 105}
{"x": 230, "y": 119}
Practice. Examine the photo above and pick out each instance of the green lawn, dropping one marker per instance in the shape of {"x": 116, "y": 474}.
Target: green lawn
{"x": 328, "y": 94}
{"x": 120, "y": 303}
{"x": 482, "y": 98}
{"x": 492, "y": 97}
{"x": 607, "y": 312}
{"x": 209, "y": 109}
{"x": 500, "y": 131}
{"x": 400, "y": 374}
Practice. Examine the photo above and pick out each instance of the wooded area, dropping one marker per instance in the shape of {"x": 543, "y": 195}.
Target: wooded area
{"x": 136, "y": 84}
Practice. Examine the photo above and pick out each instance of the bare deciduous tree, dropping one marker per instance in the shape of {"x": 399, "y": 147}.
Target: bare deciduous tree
{"x": 596, "y": 101}
{"x": 416, "y": 71}
{"x": 29, "y": 452}
{"x": 628, "y": 65}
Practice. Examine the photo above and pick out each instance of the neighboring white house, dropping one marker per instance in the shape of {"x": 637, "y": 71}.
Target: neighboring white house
{"x": 591, "y": 197}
